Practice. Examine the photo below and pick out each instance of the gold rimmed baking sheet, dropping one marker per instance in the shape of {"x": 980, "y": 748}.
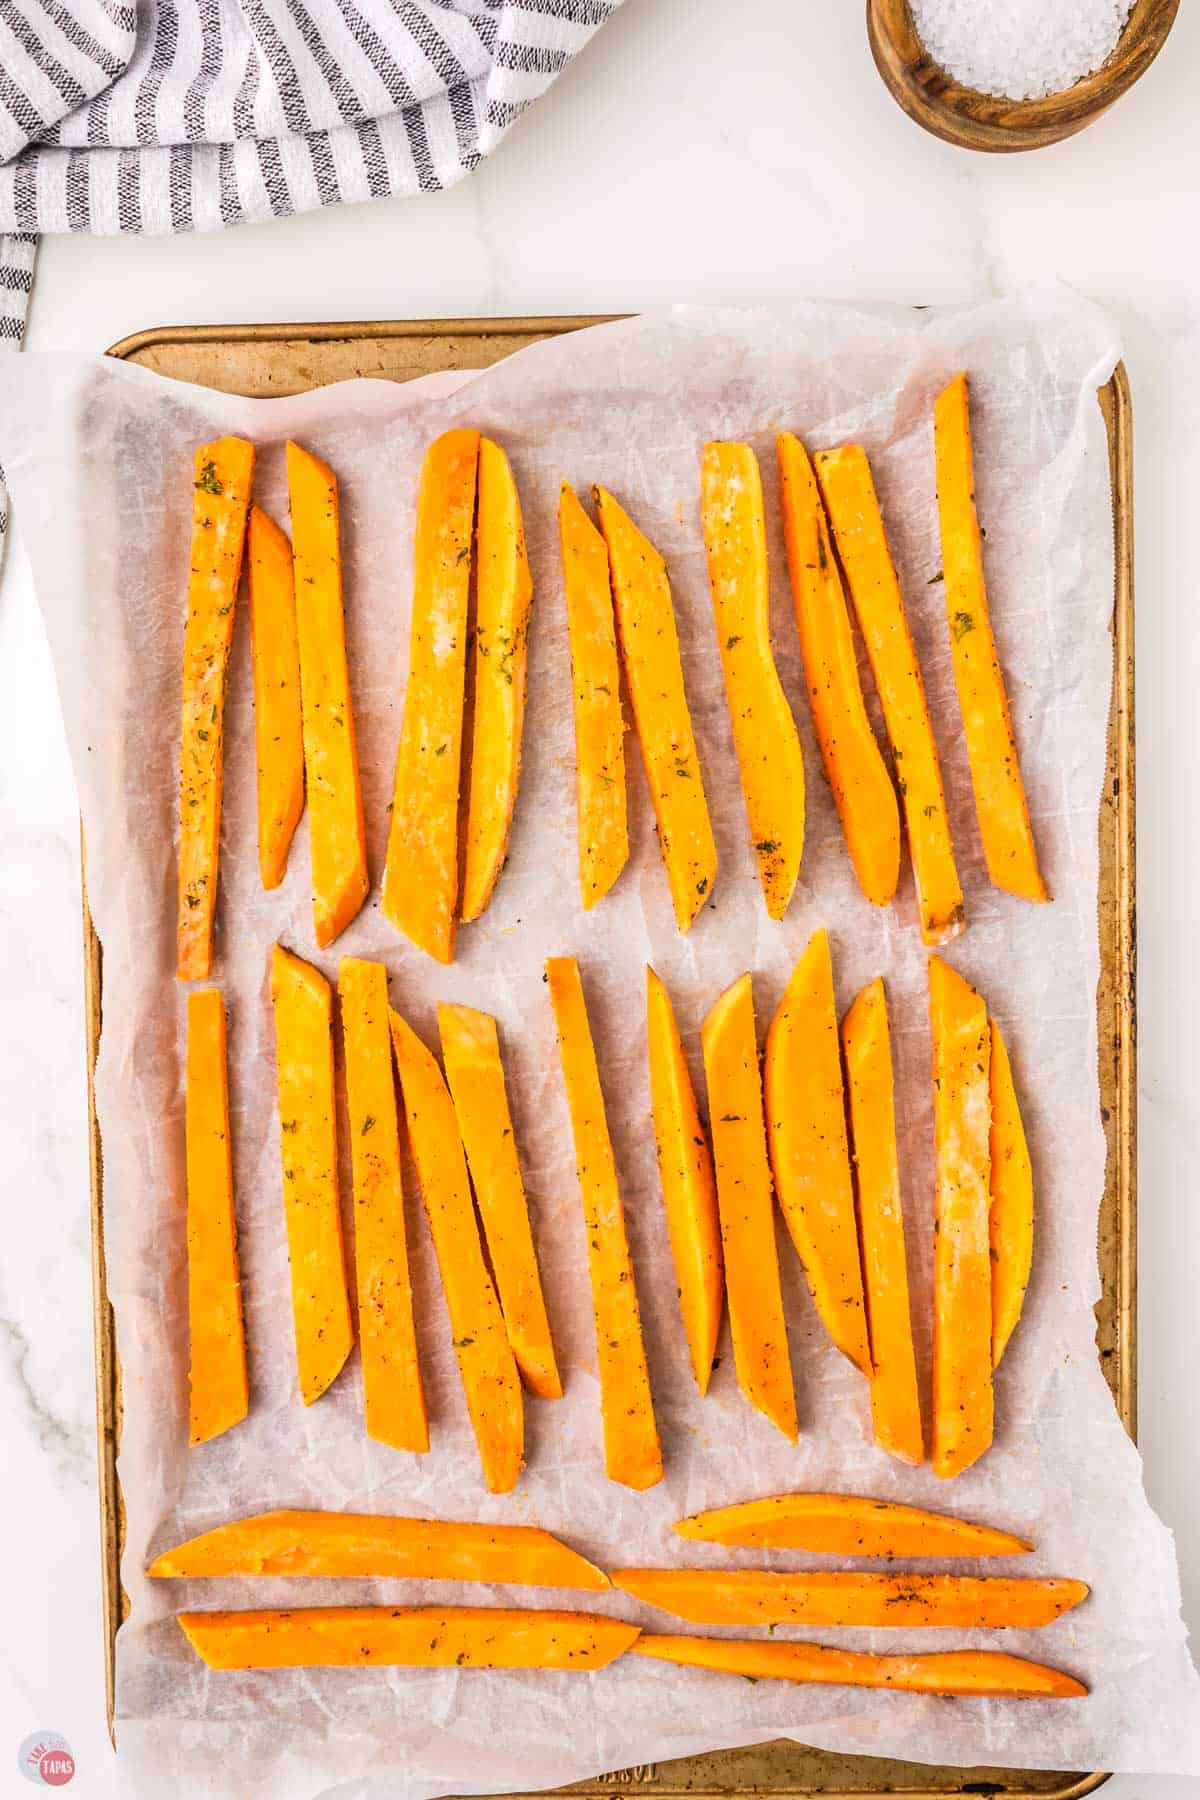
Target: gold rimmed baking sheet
{"x": 266, "y": 360}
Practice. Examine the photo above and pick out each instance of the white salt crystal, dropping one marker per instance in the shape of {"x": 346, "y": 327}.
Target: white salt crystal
{"x": 1019, "y": 48}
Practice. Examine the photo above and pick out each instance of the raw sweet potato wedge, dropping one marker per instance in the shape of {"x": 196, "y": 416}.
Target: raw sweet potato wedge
{"x": 764, "y": 732}
{"x": 847, "y": 1525}
{"x": 278, "y": 726}
{"x": 853, "y": 511}
{"x": 632, "y": 1454}
{"x": 806, "y": 1131}
{"x": 485, "y": 1360}
{"x": 420, "y": 878}
{"x": 962, "y": 1268}
{"x": 308, "y": 1144}
{"x": 858, "y": 777}
{"x": 475, "y": 1074}
{"x": 335, "y": 811}
{"x": 379, "y": 1546}
{"x": 895, "y": 1398}
{"x": 654, "y": 674}
{"x": 689, "y": 1186}
{"x": 217, "y": 1343}
{"x": 220, "y": 501}
{"x": 746, "y": 1205}
{"x": 413, "y": 1637}
{"x": 847, "y": 1598}
{"x": 503, "y": 596}
{"x": 393, "y": 1397}
{"x": 1010, "y": 1219}
{"x": 600, "y": 793}
{"x": 989, "y": 1672}
{"x": 1000, "y": 802}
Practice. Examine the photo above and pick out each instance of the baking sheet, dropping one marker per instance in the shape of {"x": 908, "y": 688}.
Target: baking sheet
{"x": 629, "y": 404}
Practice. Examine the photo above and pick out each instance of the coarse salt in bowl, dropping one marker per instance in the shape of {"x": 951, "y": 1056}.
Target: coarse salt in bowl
{"x": 1021, "y": 49}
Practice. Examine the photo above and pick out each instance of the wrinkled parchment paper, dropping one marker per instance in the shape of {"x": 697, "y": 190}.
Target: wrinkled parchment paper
{"x": 98, "y": 457}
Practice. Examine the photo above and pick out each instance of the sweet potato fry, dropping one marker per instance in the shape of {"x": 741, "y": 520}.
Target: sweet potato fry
{"x": 764, "y": 732}
{"x": 980, "y": 1672}
{"x": 962, "y": 1270}
{"x": 393, "y": 1397}
{"x": 308, "y": 1143}
{"x": 1010, "y": 1219}
{"x": 843, "y": 1597}
{"x": 335, "y": 811}
{"x": 747, "y": 1212}
{"x": 600, "y": 793}
{"x": 220, "y": 500}
{"x": 631, "y": 1448}
{"x": 689, "y": 1187}
{"x": 858, "y": 778}
{"x": 475, "y": 1074}
{"x": 853, "y": 510}
{"x": 217, "y": 1358}
{"x": 420, "y": 878}
{"x": 654, "y": 674}
{"x": 413, "y": 1637}
{"x": 503, "y": 596}
{"x": 278, "y": 729}
{"x": 847, "y": 1525}
{"x": 485, "y": 1360}
{"x": 806, "y": 1131}
{"x": 895, "y": 1399}
{"x": 379, "y": 1546}
{"x": 1000, "y": 802}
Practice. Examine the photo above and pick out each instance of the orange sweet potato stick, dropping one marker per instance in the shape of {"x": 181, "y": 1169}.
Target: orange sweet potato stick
{"x": 278, "y": 727}
{"x": 895, "y": 1399}
{"x": 853, "y": 511}
{"x": 1000, "y": 802}
{"x": 335, "y": 811}
{"x": 393, "y": 1397}
{"x": 689, "y": 1186}
{"x": 220, "y": 501}
{"x": 858, "y": 778}
{"x": 217, "y": 1360}
{"x": 485, "y": 1360}
{"x": 412, "y": 1637}
{"x": 847, "y": 1598}
{"x": 744, "y": 1197}
{"x": 600, "y": 791}
{"x": 308, "y": 1144}
{"x": 632, "y": 1454}
{"x": 764, "y": 731}
{"x": 1010, "y": 1227}
{"x": 847, "y": 1525}
{"x": 806, "y": 1131}
{"x": 503, "y": 597}
{"x": 943, "y": 1672}
{"x": 420, "y": 879}
{"x": 379, "y": 1546}
{"x": 649, "y": 644}
{"x": 962, "y": 1269}
{"x": 475, "y": 1073}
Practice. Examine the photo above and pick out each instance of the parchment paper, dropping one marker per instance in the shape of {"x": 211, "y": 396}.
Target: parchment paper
{"x": 98, "y": 457}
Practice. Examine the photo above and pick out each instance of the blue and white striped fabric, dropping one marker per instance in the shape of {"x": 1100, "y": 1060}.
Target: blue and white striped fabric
{"x": 187, "y": 115}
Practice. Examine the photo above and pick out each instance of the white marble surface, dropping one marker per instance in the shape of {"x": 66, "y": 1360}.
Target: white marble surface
{"x": 705, "y": 154}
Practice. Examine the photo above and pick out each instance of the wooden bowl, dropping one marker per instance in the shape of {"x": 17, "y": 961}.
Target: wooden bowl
{"x": 977, "y": 121}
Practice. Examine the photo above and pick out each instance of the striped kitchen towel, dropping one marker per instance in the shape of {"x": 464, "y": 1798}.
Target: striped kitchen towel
{"x": 186, "y": 115}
